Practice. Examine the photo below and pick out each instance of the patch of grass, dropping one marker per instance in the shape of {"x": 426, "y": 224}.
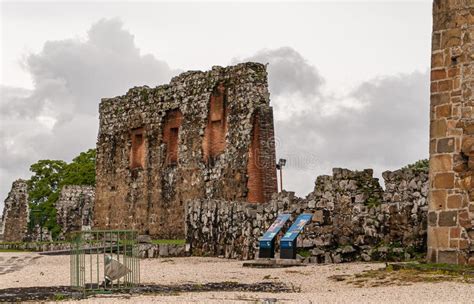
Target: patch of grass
{"x": 59, "y": 297}
{"x": 436, "y": 267}
{"x": 305, "y": 253}
{"x": 296, "y": 272}
{"x": 269, "y": 277}
{"x": 408, "y": 274}
{"x": 13, "y": 250}
{"x": 169, "y": 242}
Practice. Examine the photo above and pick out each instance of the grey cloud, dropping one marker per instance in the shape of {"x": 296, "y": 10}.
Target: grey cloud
{"x": 390, "y": 130}
{"x": 382, "y": 124}
{"x": 106, "y": 64}
{"x": 294, "y": 83}
{"x": 289, "y": 72}
{"x": 59, "y": 117}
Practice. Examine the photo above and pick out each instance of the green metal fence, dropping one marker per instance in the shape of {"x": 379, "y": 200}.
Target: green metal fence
{"x": 104, "y": 260}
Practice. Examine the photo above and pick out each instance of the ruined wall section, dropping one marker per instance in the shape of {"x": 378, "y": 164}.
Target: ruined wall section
{"x": 353, "y": 219}
{"x": 150, "y": 198}
{"x": 16, "y": 213}
{"x": 451, "y": 215}
{"x": 75, "y": 209}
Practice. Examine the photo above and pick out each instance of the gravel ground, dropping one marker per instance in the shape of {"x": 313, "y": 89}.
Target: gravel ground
{"x": 29, "y": 269}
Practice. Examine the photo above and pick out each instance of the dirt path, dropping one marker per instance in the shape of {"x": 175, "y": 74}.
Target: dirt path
{"x": 312, "y": 283}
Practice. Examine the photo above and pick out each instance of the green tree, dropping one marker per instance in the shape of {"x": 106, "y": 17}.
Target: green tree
{"x": 81, "y": 171}
{"x": 43, "y": 192}
{"x": 49, "y": 176}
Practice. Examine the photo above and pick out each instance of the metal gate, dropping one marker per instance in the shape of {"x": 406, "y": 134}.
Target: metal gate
{"x": 104, "y": 260}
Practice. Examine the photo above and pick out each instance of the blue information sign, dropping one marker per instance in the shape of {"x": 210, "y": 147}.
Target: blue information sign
{"x": 267, "y": 239}
{"x": 290, "y": 236}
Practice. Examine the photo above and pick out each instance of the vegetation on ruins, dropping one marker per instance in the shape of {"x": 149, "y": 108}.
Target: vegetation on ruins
{"x": 421, "y": 165}
{"x": 44, "y": 186}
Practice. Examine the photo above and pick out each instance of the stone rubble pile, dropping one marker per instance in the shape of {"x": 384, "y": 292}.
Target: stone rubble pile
{"x": 353, "y": 219}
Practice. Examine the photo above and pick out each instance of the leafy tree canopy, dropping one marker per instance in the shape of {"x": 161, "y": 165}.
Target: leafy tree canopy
{"x": 81, "y": 171}
{"x": 49, "y": 176}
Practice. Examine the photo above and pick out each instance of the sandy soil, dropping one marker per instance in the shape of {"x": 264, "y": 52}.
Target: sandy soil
{"x": 29, "y": 269}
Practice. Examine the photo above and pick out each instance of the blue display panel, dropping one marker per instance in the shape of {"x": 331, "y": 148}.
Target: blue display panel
{"x": 295, "y": 230}
{"x": 267, "y": 238}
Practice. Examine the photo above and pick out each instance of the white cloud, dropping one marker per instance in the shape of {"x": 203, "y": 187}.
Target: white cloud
{"x": 58, "y": 119}
{"x": 382, "y": 124}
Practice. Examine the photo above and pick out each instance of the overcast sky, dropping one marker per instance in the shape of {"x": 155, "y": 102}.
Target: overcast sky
{"x": 349, "y": 82}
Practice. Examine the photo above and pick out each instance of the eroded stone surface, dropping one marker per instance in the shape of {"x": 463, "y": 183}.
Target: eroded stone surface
{"x": 353, "y": 218}
{"x": 74, "y": 209}
{"x": 205, "y": 135}
{"x": 451, "y": 217}
{"x": 16, "y": 212}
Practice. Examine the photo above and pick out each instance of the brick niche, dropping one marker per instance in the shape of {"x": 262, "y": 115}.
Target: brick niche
{"x": 206, "y": 135}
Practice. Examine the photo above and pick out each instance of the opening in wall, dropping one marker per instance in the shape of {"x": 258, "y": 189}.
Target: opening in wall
{"x": 173, "y": 146}
{"x": 137, "y": 153}
{"x": 254, "y": 166}
{"x": 173, "y": 120}
{"x": 216, "y": 129}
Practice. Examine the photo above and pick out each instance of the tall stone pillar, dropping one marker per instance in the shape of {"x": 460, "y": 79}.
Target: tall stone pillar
{"x": 15, "y": 213}
{"x": 451, "y": 212}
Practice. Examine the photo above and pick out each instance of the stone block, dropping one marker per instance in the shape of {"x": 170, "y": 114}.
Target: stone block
{"x": 163, "y": 250}
{"x": 447, "y": 257}
{"x": 454, "y": 201}
{"x": 438, "y": 237}
{"x": 432, "y": 219}
{"x": 438, "y": 199}
{"x": 438, "y": 128}
{"x": 447, "y": 218}
{"x": 438, "y": 74}
{"x": 445, "y": 145}
{"x": 444, "y": 181}
{"x": 441, "y": 163}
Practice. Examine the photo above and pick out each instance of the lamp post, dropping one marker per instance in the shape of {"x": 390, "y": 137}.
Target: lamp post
{"x": 281, "y": 163}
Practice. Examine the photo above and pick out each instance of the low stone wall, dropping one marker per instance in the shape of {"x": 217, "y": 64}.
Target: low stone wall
{"x": 35, "y": 246}
{"x": 145, "y": 250}
{"x": 353, "y": 219}
{"x": 162, "y": 250}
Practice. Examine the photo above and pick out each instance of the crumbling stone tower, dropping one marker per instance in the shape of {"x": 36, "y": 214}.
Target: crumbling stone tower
{"x": 205, "y": 135}
{"x": 451, "y": 215}
{"x": 16, "y": 212}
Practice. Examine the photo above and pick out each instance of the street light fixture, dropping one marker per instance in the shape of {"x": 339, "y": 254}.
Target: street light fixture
{"x": 281, "y": 163}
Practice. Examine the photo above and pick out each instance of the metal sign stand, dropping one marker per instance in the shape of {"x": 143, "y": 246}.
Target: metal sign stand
{"x": 288, "y": 241}
{"x": 267, "y": 242}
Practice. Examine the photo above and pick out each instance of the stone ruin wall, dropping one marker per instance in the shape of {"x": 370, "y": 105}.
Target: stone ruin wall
{"x": 16, "y": 213}
{"x": 451, "y": 215}
{"x": 75, "y": 209}
{"x": 353, "y": 219}
{"x": 205, "y": 135}
{"x": 74, "y": 213}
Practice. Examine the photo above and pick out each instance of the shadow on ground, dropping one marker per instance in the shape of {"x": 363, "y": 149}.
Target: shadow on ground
{"x": 66, "y": 292}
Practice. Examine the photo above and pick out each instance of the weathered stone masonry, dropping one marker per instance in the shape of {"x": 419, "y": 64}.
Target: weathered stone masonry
{"x": 205, "y": 135}
{"x": 451, "y": 212}
{"x": 74, "y": 209}
{"x": 16, "y": 212}
{"x": 353, "y": 219}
